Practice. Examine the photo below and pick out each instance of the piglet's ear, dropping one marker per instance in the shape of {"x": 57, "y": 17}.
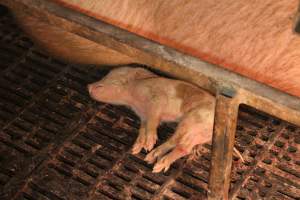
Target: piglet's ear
{"x": 141, "y": 73}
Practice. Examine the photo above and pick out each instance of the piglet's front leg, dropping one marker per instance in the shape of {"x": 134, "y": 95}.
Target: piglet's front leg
{"x": 148, "y": 132}
{"x": 140, "y": 141}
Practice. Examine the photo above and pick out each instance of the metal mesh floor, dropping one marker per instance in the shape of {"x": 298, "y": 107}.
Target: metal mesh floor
{"x": 56, "y": 143}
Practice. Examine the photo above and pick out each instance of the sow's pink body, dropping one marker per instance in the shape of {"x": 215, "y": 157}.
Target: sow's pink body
{"x": 156, "y": 99}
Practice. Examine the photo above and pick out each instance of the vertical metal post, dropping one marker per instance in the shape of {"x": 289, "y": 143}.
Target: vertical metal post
{"x": 222, "y": 146}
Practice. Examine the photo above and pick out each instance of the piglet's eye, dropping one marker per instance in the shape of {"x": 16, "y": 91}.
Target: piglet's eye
{"x": 100, "y": 85}
{"x": 115, "y": 82}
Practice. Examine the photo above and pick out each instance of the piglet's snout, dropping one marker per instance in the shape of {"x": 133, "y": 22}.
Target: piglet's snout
{"x": 90, "y": 88}
{"x": 93, "y": 89}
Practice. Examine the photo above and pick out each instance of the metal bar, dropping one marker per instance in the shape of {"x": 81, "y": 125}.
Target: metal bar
{"x": 267, "y": 105}
{"x": 222, "y": 147}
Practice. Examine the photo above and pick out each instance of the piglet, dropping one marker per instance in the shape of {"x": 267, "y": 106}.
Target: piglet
{"x": 156, "y": 99}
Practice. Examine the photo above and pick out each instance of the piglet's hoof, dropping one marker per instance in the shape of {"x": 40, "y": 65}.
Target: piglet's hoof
{"x": 144, "y": 140}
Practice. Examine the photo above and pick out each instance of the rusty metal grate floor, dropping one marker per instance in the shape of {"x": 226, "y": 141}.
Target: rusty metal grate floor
{"x": 56, "y": 143}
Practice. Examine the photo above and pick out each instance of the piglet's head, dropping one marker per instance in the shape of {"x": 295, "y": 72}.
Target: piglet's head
{"x": 113, "y": 88}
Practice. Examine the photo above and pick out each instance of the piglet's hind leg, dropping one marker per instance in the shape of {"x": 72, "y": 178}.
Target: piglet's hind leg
{"x": 195, "y": 128}
{"x": 167, "y": 160}
{"x": 160, "y": 151}
{"x": 180, "y": 144}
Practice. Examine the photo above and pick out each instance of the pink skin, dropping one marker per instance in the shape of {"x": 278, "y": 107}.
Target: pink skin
{"x": 142, "y": 91}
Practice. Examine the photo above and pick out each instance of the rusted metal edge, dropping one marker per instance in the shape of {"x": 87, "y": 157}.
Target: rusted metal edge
{"x": 226, "y": 114}
{"x": 160, "y": 57}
